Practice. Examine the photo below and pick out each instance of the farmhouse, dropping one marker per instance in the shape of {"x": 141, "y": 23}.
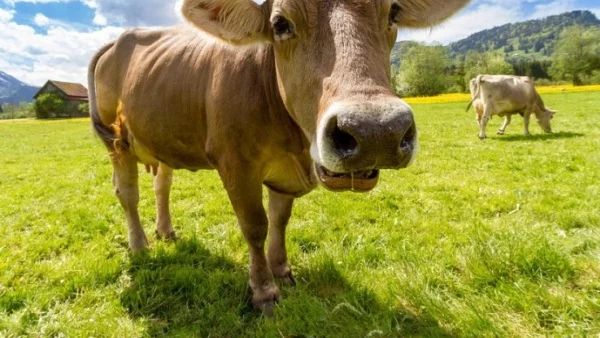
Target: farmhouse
{"x": 74, "y": 94}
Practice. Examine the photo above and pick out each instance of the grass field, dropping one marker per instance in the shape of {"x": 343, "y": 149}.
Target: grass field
{"x": 499, "y": 238}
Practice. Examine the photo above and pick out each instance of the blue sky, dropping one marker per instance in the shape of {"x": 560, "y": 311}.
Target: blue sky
{"x": 54, "y": 39}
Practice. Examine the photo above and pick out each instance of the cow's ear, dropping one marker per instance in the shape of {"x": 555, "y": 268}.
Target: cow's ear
{"x": 425, "y": 13}
{"x": 236, "y": 21}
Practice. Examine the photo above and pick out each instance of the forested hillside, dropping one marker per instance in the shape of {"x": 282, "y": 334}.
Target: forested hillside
{"x": 533, "y": 39}
{"x": 557, "y": 49}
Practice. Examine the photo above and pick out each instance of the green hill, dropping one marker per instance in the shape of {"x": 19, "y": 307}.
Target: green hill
{"x": 532, "y": 39}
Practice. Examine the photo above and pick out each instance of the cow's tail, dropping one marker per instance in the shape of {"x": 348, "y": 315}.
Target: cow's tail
{"x": 104, "y": 132}
{"x": 476, "y": 95}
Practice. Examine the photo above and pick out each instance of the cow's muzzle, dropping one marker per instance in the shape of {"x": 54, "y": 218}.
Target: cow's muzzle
{"x": 354, "y": 141}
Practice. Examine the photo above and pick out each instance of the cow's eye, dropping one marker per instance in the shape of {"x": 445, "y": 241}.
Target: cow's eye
{"x": 394, "y": 13}
{"x": 282, "y": 28}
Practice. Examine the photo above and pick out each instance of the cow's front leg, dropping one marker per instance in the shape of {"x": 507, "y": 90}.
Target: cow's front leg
{"x": 526, "y": 119}
{"x": 280, "y": 210}
{"x": 507, "y": 120}
{"x": 162, "y": 189}
{"x": 245, "y": 193}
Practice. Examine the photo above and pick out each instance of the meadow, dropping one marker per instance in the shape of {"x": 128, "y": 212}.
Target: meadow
{"x": 494, "y": 238}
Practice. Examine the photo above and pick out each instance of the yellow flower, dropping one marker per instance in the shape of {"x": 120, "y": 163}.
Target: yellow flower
{"x": 462, "y": 97}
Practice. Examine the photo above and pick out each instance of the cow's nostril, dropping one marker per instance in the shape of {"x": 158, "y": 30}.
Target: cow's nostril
{"x": 408, "y": 140}
{"x": 345, "y": 144}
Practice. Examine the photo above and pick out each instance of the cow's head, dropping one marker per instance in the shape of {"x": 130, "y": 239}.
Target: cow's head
{"x": 333, "y": 72}
{"x": 543, "y": 118}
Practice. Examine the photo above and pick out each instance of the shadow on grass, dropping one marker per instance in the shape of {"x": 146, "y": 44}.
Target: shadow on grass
{"x": 189, "y": 291}
{"x": 539, "y": 137}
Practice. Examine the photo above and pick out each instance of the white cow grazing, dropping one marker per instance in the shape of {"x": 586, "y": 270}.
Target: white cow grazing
{"x": 505, "y": 95}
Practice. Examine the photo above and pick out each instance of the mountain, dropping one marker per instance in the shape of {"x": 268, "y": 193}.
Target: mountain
{"x": 533, "y": 39}
{"x": 8, "y": 84}
{"x": 14, "y": 91}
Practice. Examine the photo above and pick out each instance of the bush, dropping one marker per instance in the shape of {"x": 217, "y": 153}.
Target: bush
{"x": 84, "y": 108}
{"x": 543, "y": 82}
{"x": 48, "y": 105}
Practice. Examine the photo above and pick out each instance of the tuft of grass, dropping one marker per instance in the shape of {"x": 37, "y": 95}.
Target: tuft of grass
{"x": 477, "y": 239}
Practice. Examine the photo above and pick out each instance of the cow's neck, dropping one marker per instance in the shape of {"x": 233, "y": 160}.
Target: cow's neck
{"x": 277, "y": 111}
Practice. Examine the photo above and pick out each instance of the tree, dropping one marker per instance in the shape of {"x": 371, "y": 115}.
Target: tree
{"x": 492, "y": 63}
{"x": 48, "y": 105}
{"x": 423, "y": 71}
{"x": 577, "y": 55}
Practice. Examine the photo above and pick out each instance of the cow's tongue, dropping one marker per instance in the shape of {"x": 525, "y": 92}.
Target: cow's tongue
{"x": 360, "y": 181}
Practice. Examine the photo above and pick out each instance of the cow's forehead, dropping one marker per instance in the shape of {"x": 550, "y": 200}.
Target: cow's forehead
{"x": 324, "y": 3}
{"x": 322, "y": 13}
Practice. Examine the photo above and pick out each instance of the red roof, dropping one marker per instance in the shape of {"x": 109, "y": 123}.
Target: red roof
{"x": 72, "y": 90}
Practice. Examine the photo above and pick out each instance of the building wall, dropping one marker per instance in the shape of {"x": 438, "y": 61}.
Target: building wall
{"x": 72, "y": 107}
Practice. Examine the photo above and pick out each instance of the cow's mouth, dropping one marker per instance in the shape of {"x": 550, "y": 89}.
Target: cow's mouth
{"x": 358, "y": 181}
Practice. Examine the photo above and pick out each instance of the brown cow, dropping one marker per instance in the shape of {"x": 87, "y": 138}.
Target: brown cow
{"x": 506, "y": 95}
{"x": 286, "y": 94}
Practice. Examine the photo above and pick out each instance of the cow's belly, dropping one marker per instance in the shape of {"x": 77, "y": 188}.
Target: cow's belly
{"x": 503, "y": 108}
{"x": 179, "y": 148}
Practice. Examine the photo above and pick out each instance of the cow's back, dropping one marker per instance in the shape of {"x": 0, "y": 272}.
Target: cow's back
{"x": 182, "y": 93}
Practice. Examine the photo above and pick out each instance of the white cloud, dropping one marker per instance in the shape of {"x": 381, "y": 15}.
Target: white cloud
{"x": 6, "y": 15}
{"x": 466, "y": 23}
{"x": 64, "y": 50}
{"x": 553, "y": 8}
{"x": 41, "y": 20}
{"x": 100, "y": 20}
{"x": 131, "y": 13}
{"x": 63, "y": 53}
{"x": 134, "y": 13}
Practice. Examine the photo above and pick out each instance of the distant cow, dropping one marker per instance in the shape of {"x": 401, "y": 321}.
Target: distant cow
{"x": 505, "y": 95}
{"x": 284, "y": 94}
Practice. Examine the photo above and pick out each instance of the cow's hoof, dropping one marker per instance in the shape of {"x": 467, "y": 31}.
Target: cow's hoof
{"x": 284, "y": 273}
{"x": 500, "y": 132}
{"x": 137, "y": 245}
{"x": 265, "y": 299}
{"x": 288, "y": 280}
{"x": 170, "y": 236}
{"x": 267, "y": 309}
{"x": 482, "y": 137}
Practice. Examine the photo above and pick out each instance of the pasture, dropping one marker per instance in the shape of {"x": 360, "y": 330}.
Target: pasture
{"x": 476, "y": 239}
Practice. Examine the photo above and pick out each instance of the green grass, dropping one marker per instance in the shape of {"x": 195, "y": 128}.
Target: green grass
{"x": 477, "y": 239}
